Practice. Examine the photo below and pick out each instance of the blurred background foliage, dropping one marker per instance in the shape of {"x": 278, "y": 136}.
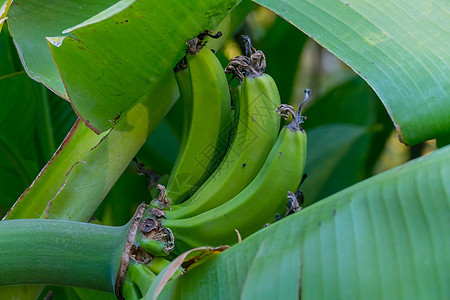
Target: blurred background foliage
{"x": 350, "y": 134}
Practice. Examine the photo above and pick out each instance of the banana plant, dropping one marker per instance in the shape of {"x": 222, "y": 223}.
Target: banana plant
{"x": 385, "y": 237}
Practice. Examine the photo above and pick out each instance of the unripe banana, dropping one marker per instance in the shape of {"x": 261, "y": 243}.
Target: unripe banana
{"x": 257, "y": 129}
{"x": 138, "y": 280}
{"x": 207, "y": 106}
{"x": 257, "y": 204}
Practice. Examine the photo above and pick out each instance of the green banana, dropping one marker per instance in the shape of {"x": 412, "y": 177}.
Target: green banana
{"x": 258, "y": 203}
{"x": 138, "y": 280}
{"x": 207, "y": 106}
{"x": 257, "y": 130}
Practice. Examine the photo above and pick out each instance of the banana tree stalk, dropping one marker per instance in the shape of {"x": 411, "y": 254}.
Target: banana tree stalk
{"x": 60, "y": 252}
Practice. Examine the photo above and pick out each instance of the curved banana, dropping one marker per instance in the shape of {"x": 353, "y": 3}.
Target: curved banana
{"x": 138, "y": 280}
{"x": 256, "y": 132}
{"x": 207, "y": 106}
{"x": 258, "y": 203}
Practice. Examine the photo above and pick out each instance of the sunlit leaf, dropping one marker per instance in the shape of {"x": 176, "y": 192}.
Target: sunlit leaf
{"x": 398, "y": 47}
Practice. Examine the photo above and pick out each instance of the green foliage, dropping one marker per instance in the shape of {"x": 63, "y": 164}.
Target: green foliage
{"x": 33, "y": 122}
{"x": 390, "y": 46}
{"x": 343, "y": 145}
{"x": 385, "y": 237}
{"x": 102, "y": 35}
{"x": 377, "y": 239}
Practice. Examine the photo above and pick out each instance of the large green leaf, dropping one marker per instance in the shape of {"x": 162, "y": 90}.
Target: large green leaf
{"x": 384, "y": 238}
{"x": 30, "y": 21}
{"x": 399, "y": 47}
{"x": 109, "y": 60}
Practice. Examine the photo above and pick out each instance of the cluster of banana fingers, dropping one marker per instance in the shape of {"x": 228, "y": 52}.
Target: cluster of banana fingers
{"x": 236, "y": 167}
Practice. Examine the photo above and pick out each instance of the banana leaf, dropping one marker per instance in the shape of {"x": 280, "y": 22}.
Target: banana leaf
{"x": 103, "y": 56}
{"x": 387, "y": 237}
{"x": 399, "y": 47}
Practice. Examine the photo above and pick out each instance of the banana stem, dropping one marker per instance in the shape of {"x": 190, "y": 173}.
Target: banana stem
{"x": 297, "y": 119}
{"x": 58, "y": 252}
{"x": 300, "y": 118}
{"x": 252, "y": 65}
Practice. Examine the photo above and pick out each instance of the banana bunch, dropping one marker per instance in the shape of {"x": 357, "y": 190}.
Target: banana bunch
{"x": 261, "y": 165}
